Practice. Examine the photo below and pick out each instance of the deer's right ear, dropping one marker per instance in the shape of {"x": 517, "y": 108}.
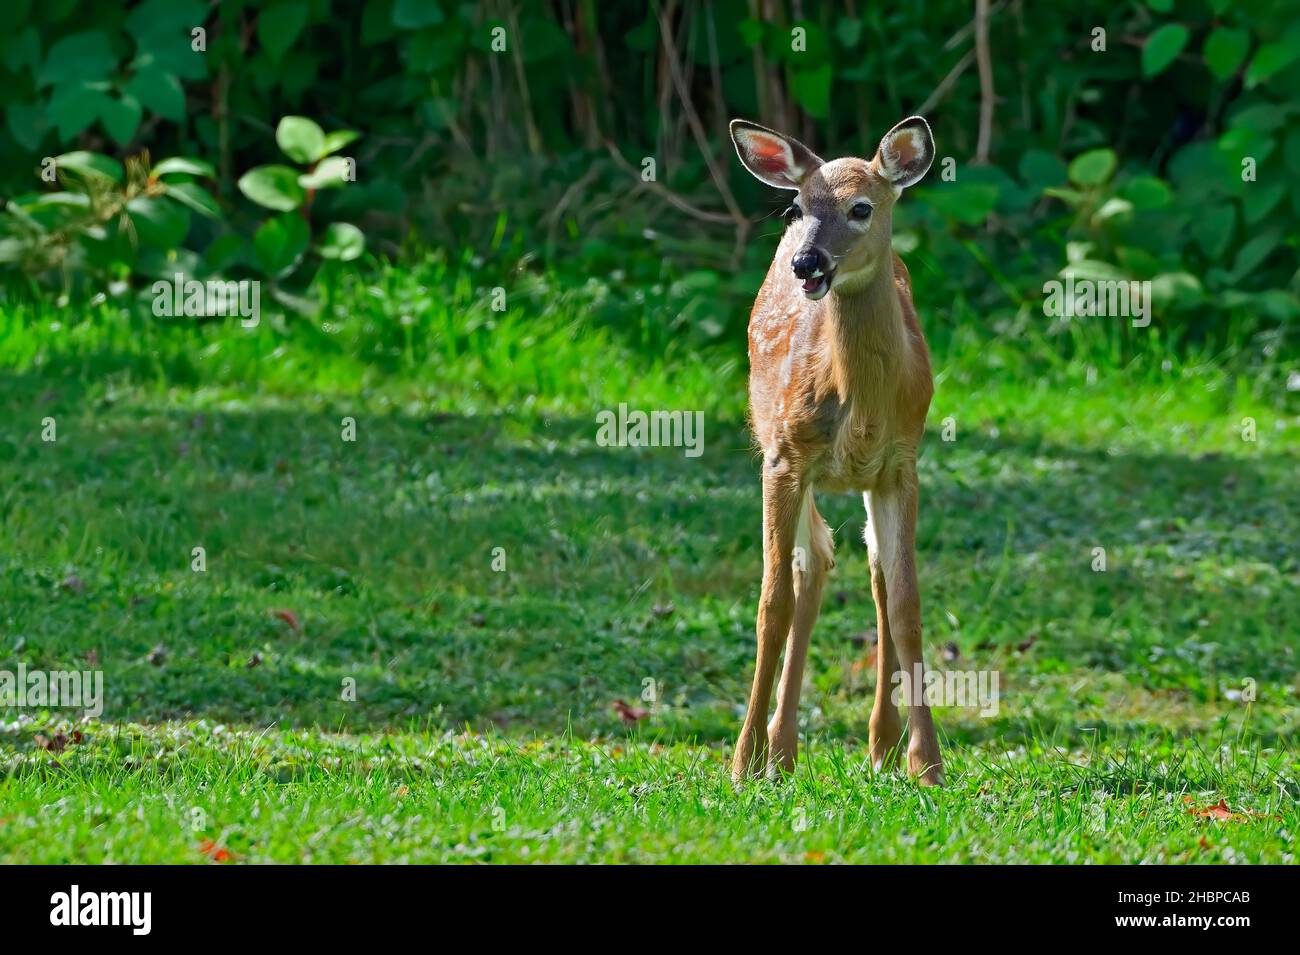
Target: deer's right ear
{"x": 777, "y": 160}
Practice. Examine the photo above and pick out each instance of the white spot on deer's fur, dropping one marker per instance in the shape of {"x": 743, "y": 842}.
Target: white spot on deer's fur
{"x": 881, "y": 533}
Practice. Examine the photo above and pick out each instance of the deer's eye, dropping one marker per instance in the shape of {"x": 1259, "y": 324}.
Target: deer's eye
{"x": 860, "y": 211}
{"x": 792, "y": 214}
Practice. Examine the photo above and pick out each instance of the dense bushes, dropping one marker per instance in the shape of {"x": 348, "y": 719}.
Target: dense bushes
{"x": 1136, "y": 141}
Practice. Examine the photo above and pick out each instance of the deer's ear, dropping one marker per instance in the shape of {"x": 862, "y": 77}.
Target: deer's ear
{"x": 905, "y": 154}
{"x": 777, "y": 160}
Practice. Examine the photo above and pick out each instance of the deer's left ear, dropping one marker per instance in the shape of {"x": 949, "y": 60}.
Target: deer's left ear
{"x": 905, "y": 154}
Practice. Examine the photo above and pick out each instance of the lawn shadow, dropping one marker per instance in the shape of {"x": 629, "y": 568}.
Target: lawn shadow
{"x": 506, "y": 570}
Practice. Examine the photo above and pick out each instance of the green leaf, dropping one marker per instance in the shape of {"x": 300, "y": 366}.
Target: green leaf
{"x": 279, "y": 26}
{"x": 169, "y": 17}
{"x": 1213, "y": 229}
{"x": 1270, "y": 58}
{"x": 182, "y": 164}
{"x": 82, "y": 57}
{"x": 27, "y": 124}
{"x": 1093, "y": 167}
{"x": 226, "y": 251}
{"x": 1113, "y": 208}
{"x": 11, "y": 251}
{"x": 342, "y": 241}
{"x": 849, "y": 31}
{"x": 195, "y": 197}
{"x": 300, "y": 139}
{"x": 331, "y": 172}
{"x": 24, "y": 51}
{"x": 966, "y": 202}
{"x": 160, "y": 92}
{"x": 1260, "y": 199}
{"x": 160, "y": 224}
{"x": 74, "y": 108}
{"x": 279, "y": 243}
{"x": 1040, "y": 169}
{"x": 338, "y": 139}
{"x": 812, "y": 89}
{"x": 1225, "y": 50}
{"x": 1147, "y": 192}
{"x": 1162, "y": 47}
{"x": 416, "y": 14}
{"x": 1170, "y": 288}
{"x": 90, "y": 164}
{"x": 302, "y": 304}
{"x": 751, "y": 31}
{"x": 121, "y": 117}
{"x": 1251, "y": 255}
{"x": 275, "y": 187}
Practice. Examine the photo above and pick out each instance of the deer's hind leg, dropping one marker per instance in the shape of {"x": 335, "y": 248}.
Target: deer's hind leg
{"x": 813, "y": 559}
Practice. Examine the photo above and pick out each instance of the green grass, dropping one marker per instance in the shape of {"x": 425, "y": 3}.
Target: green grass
{"x": 482, "y": 727}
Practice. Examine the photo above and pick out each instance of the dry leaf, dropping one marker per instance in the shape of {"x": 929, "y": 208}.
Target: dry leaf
{"x": 215, "y": 852}
{"x": 289, "y": 617}
{"x": 629, "y": 714}
{"x": 1220, "y": 811}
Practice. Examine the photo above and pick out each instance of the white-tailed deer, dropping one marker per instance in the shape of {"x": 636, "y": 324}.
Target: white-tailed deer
{"x": 839, "y": 387}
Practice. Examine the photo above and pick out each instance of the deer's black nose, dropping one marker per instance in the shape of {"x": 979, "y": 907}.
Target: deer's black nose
{"x": 806, "y": 262}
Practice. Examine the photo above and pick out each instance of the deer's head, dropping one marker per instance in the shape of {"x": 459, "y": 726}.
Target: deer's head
{"x": 841, "y": 217}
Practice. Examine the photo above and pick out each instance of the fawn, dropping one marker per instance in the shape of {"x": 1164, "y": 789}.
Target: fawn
{"x": 839, "y": 388}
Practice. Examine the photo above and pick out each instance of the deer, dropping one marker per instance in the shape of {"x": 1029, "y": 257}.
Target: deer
{"x": 839, "y": 389}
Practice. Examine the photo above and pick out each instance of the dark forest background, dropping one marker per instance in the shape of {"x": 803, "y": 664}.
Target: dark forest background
{"x": 1100, "y": 138}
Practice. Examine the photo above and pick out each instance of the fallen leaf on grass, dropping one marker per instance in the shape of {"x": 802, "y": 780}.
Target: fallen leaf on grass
{"x": 215, "y": 852}
{"x": 629, "y": 714}
{"x": 59, "y": 741}
{"x": 288, "y": 616}
{"x": 1220, "y": 811}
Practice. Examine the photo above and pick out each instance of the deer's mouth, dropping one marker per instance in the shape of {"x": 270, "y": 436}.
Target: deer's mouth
{"x": 818, "y": 284}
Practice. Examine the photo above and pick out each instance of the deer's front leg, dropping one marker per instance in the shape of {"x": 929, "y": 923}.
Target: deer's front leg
{"x": 781, "y": 499}
{"x": 892, "y": 515}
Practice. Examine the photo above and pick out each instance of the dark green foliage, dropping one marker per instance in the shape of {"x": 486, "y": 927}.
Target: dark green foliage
{"x": 522, "y": 131}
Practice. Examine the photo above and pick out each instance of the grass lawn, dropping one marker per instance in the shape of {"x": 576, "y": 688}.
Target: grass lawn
{"x": 407, "y": 647}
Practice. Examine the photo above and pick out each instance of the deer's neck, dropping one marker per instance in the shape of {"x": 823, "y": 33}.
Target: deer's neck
{"x": 868, "y": 339}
